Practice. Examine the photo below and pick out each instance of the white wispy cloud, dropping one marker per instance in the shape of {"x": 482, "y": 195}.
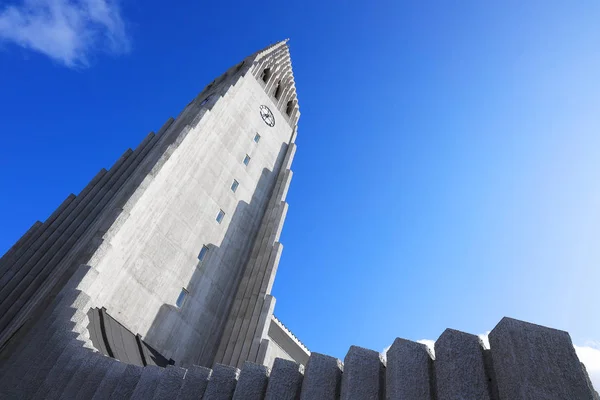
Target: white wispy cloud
{"x": 68, "y": 31}
{"x": 589, "y": 355}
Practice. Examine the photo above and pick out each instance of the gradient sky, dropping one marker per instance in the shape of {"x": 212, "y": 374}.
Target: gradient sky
{"x": 448, "y": 164}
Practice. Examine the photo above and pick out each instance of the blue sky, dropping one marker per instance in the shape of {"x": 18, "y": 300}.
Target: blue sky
{"x": 447, "y": 172}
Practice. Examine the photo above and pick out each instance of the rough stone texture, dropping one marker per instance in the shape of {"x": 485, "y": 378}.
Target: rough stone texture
{"x": 364, "y": 375}
{"x": 127, "y": 383}
{"x": 534, "y": 362}
{"x": 195, "y": 383}
{"x": 459, "y": 367}
{"x": 94, "y": 381}
{"x": 595, "y": 394}
{"x": 111, "y": 380}
{"x": 60, "y": 375}
{"x": 408, "y": 371}
{"x": 252, "y": 383}
{"x": 170, "y": 383}
{"x": 285, "y": 381}
{"x": 88, "y": 366}
{"x": 322, "y": 378}
{"x": 148, "y": 382}
{"x": 222, "y": 382}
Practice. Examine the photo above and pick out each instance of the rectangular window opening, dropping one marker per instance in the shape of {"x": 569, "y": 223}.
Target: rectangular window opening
{"x": 257, "y": 138}
{"x": 247, "y": 160}
{"x": 234, "y": 185}
{"x": 181, "y": 299}
{"x": 202, "y": 254}
{"x": 220, "y": 216}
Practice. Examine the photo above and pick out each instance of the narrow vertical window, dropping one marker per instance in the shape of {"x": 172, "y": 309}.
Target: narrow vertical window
{"x": 278, "y": 90}
{"x": 220, "y": 216}
{"x": 289, "y": 108}
{"x": 181, "y": 299}
{"x": 257, "y": 138}
{"x": 234, "y": 185}
{"x": 202, "y": 254}
{"x": 247, "y": 160}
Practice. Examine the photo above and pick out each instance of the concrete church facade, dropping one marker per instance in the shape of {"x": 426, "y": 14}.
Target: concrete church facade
{"x": 183, "y": 232}
{"x": 162, "y": 267}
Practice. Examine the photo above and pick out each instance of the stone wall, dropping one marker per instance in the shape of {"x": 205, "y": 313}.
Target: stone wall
{"x": 525, "y": 361}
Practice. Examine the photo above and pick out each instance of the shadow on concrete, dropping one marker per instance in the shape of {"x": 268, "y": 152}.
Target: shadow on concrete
{"x": 214, "y": 283}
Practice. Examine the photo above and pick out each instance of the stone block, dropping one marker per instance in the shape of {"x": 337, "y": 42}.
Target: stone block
{"x": 222, "y": 382}
{"x": 252, "y": 382}
{"x": 322, "y": 378}
{"x": 408, "y": 371}
{"x": 535, "y": 362}
{"x": 170, "y": 383}
{"x": 363, "y": 377}
{"x": 285, "y": 381}
{"x": 194, "y": 383}
{"x": 459, "y": 367}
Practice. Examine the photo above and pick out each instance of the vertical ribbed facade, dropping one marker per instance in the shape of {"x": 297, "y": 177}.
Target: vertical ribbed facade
{"x": 141, "y": 224}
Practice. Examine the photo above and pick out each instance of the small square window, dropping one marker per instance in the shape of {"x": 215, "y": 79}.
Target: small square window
{"x": 234, "y": 185}
{"x": 247, "y": 160}
{"x": 202, "y": 254}
{"x": 181, "y": 299}
{"x": 257, "y": 138}
{"x": 220, "y": 216}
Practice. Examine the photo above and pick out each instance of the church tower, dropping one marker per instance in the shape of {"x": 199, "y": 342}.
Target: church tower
{"x": 178, "y": 243}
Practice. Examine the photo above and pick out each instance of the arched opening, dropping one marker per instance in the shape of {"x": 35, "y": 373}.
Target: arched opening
{"x": 289, "y": 108}
{"x": 265, "y": 75}
{"x": 278, "y": 90}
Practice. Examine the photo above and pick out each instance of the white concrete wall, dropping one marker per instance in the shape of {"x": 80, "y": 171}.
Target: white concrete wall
{"x": 153, "y": 255}
{"x": 283, "y": 344}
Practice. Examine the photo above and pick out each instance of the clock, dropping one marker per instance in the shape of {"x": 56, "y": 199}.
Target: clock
{"x": 267, "y": 115}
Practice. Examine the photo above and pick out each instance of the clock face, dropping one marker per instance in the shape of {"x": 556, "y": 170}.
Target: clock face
{"x": 267, "y": 116}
